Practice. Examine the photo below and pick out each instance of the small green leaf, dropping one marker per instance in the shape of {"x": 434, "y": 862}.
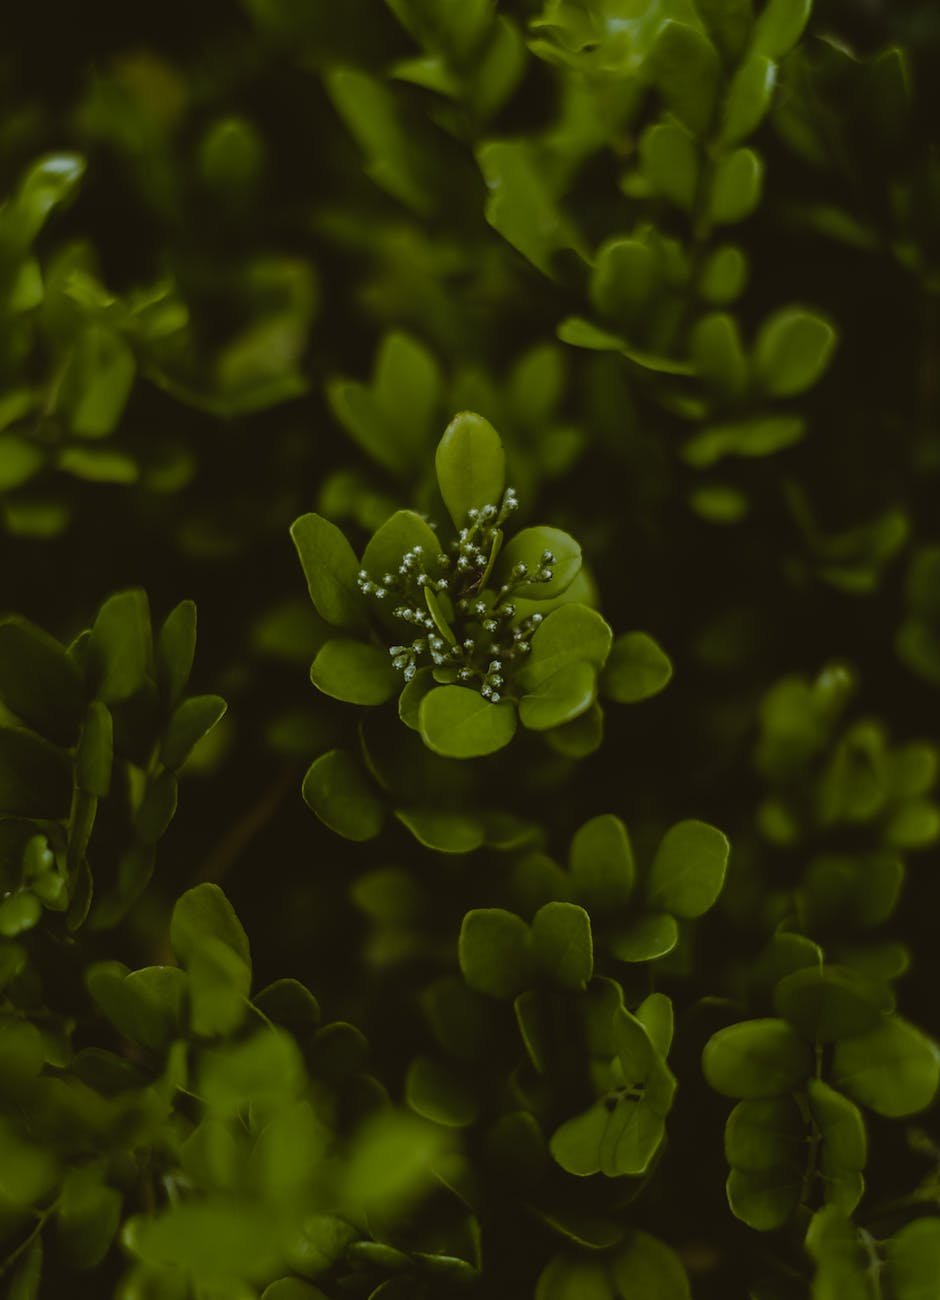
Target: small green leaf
{"x": 757, "y": 1058}
{"x": 760, "y": 435}
{"x": 439, "y": 1094}
{"x": 495, "y": 952}
{"x": 729, "y": 23}
{"x": 736, "y": 186}
{"x": 191, "y": 721}
{"x": 459, "y": 723}
{"x": 157, "y": 808}
{"x": 560, "y": 698}
{"x": 637, "y": 669}
{"x": 175, "y": 651}
{"x": 471, "y": 466}
{"x": 913, "y": 1259}
{"x": 829, "y": 1003}
{"x": 35, "y": 777}
{"x": 520, "y": 203}
{"x": 561, "y": 935}
{"x": 892, "y": 1069}
{"x": 780, "y": 25}
{"x": 338, "y": 790}
{"x": 670, "y": 161}
{"x": 644, "y": 1268}
{"x": 444, "y": 832}
{"x": 686, "y": 69}
{"x": 748, "y": 100}
{"x": 331, "y": 569}
{"x": 39, "y": 680}
{"x": 718, "y": 353}
{"x": 625, "y": 275}
{"x": 723, "y": 275}
{"x": 601, "y": 865}
{"x": 528, "y": 548}
{"x": 355, "y": 671}
{"x": 688, "y": 870}
{"x": 402, "y": 532}
{"x": 844, "y": 1149}
{"x": 204, "y": 912}
{"x": 793, "y": 350}
{"x": 646, "y": 938}
{"x": 95, "y": 754}
{"x": 569, "y": 634}
{"x": 88, "y": 1217}
{"x": 119, "y": 651}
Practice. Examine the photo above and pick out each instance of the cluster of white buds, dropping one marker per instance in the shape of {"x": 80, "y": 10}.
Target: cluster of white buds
{"x": 487, "y": 639}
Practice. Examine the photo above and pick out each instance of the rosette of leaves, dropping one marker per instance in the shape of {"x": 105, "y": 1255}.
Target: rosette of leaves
{"x": 797, "y": 1136}
{"x": 858, "y": 803}
{"x": 472, "y": 635}
{"x": 93, "y": 735}
{"x": 665, "y": 302}
{"x": 229, "y": 1144}
{"x": 637, "y": 917}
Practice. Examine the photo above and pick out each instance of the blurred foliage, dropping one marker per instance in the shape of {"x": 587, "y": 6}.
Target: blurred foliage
{"x": 281, "y": 270}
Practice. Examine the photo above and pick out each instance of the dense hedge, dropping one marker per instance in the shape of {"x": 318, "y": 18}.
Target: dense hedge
{"x": 540, "y": 402}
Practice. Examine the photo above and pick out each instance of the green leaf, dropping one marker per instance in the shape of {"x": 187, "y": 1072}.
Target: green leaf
{"x": 401, "y": 532}
{"x": 20, "y": 460}
{"x": 829, "y": 1003}
{"x": 574, "y": 1277}
{"x": 291, "y": 1288}
{"x": 158, "y": 807}
{"x": 355, "y": 671}
{"x": 95, "y": 754}
{"x": 913, "y": 1259}
{"x": 688, "y": 870}
{"x": 764, "y": 1199}
{"x": 686, "y": 69}
{"x": 191, "y": 721}
{"x": 718, "y": 354}
{"x": 736, "y": 186}
{"x": 119, "y": 651}
{"x": 765, "y": 1144}
{"x": 569, "y": 634}
{"x": 760, "y": 435}
{"x": 637, "y": 669}
{"x": 21, "y": 1054}
{"x": 748, "y": 99}
{"x": 560, "y": 698}
{"x": 145, "y": 1005}
{"x": 893, "y": 1069}
{"x": 793, "y": 349}
{"x": 202, "y": 913}
{"x": 780, "y": 25}
{"x": 444, "y": 832}
{"x": 393, "y": 158}
{"x": 338, "y": 790}
{"x": 723, "y": 275}
{"x": 644, "y": 1268}
{"x": 459, "y": 723}
{"x": 561, "y": 936}
{"x": 671, "y": 163}
{"x": 729, "y": 24}
{"x": 757, "y": 1058}
{"x": 331, "y": 569}
{"x": 471, "y": 466}
{"x": 520, "y": 203}
{"x": 88, "y": 1217}
{"x": 439, "y": 1094}
{"x": 528, "y": 548}
{"x": 626, "y": 273}
{"x": 601, "y": 865}
{"x": 39, "y": 680}
{"x": 35, "y": 777}
{"x": 51, "y": 180}
{"x": 213, "y": 1239}
{"x": 844, "y": 1149}
{"x": 495, "y": 952}
{"x": 175, "y": 651}
{"x": 646, "y": 938}
{"x": 98, "y": 381}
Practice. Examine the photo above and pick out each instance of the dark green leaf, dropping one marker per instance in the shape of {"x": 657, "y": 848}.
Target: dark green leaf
{"x": 757, "y": 1058}
{"x": 331, "y": 569}
{"x": 35, "y": 777}
{"x": 355, "y": 671}
{"x": 471, "y": 466}
{"x": 191, "y": 721}
{"x": 495, "y": 952}
{"x": 561, "y": 937}
{"x": 688, "y": 870}
{"x": 636, "y": 670}
{"x": 338, "y": 790}
{"x": 39, "y": 681}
